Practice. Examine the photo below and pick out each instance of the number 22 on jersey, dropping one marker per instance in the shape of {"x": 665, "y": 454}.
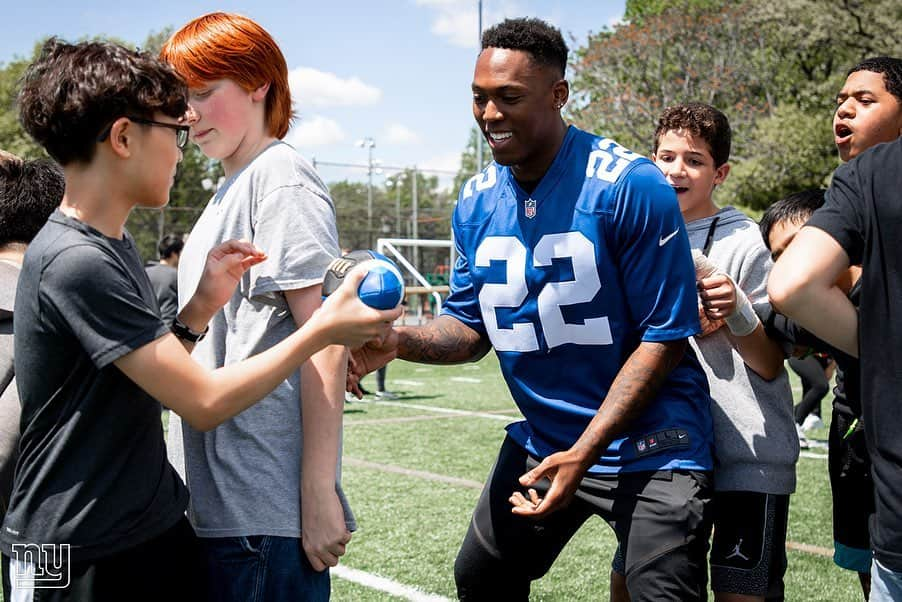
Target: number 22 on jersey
{"x": 522, "y": 336}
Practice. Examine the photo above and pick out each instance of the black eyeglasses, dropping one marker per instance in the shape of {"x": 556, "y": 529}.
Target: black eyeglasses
{"x": 181, "y": 131}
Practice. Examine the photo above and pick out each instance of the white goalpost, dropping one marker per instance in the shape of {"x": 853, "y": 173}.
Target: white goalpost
{"x": 391, "y": 248}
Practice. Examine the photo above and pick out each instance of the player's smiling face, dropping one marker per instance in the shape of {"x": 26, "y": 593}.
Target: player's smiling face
{"x": 688, "y": 165}
{"x": 866, "y": 114}
{"x": 516, "y": 103}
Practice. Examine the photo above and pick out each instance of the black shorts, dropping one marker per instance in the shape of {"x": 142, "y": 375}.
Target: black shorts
{"x": 168, "y": 567}
{"x": 748, "y": 550}
{"x": 661, "y": 520}
{"x": 853, "y": 493}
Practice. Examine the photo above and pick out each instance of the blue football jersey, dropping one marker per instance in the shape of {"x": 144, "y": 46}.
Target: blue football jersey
{"x": 567, "y": 281}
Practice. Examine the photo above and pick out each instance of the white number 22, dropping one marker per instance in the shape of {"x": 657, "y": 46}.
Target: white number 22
{"x": 585, "y": 285}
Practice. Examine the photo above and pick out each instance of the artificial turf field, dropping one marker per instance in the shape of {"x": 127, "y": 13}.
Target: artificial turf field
{"x": 413, "y": 469}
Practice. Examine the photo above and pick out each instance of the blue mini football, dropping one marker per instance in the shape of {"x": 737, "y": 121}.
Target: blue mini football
{"x": 382, "y": 287}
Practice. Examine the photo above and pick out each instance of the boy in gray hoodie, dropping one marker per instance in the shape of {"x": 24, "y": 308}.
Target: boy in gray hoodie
{"x": 756, "y": 445}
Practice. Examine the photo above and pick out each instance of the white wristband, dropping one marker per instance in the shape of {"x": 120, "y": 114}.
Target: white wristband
{"x": 743, "y": 321}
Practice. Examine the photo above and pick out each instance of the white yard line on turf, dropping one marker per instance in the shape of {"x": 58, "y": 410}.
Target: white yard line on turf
{"x": 465, "y": 379}
{"x": 809, "y": 549}
{"x": 442, "y": 410}
{"x": 420, "y": 474}
{"x": 384, "y": 585}
{"x": 807, "y": 454}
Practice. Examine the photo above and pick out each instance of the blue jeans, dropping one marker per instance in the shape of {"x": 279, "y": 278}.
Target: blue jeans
{"x": 886, "y": 585}
{"x": 262, "y": 568}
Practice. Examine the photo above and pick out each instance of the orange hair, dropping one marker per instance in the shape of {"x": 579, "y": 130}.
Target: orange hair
{"x": 228, "y": 46}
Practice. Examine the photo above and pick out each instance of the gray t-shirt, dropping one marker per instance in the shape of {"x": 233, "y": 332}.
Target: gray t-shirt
{"x": 92, "y": 469}
{"x": 755, "y": 441}
{"x": 244, "y": 476}
{"x": 9, "y": 395}
{"x": 164, "y": 279}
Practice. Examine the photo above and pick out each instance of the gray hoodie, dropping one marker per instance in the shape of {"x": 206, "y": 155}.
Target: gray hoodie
{"x": 755, "y": 440}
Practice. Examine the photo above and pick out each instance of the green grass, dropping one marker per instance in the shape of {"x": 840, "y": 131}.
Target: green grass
{"x": 398, "y": 459}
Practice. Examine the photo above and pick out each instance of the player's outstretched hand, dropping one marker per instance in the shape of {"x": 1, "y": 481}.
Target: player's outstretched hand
{"x": 348, "y": 321}
{"x": 369, "y": 358}
{"x": 565, "y": 470}
{"x": 226, "y": 264}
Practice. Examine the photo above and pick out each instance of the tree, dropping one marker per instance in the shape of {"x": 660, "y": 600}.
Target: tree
{"x": 636, "y": 10}
{"x": 468, "y": 163}
{"x": 773, "y": 68}
{"x": 795, "y": 152}
{"x": 624, "y": 79}
{"x": 12, "y": 137}
{"x": 350, "y": 200}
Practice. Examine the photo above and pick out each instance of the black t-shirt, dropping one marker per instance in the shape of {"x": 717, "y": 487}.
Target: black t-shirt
{"x": 863, "y": 213}
{"x": 92, "y": 469}
{"x": 165, "y": 282}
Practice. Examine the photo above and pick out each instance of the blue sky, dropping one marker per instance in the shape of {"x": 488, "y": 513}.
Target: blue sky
{"x": 397, "y": 71}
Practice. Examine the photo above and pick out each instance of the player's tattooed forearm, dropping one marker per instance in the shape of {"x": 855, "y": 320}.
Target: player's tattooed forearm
{"x": 641, "y": 377}
{"x": 444, "y": 341}
{"x": 638, "y": 381}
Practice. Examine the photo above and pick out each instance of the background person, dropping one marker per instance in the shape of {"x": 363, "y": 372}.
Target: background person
{"x": 164, "y": 275}
{"x": 756, "y": 447}
{"x": 29, "y": 192}
{"x": 851, "y": 483}
{"x": 858, "y": 225}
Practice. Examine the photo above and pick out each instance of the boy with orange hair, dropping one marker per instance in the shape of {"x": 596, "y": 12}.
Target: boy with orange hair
{"x": 240, "y": 109}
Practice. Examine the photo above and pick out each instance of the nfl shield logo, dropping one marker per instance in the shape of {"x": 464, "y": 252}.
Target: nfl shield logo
{"x": 530, "y": 207}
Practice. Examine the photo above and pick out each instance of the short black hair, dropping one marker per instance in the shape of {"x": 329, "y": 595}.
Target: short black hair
{"x": 71, "y": 92}
{"x": 796, "y": 208}
{"x": 889, "y": 67}
{"x": 702, "y": 120}
{"x": 543, "y": 42}
{"x": 29, "y": 192}
{"x": 170, "y": 245}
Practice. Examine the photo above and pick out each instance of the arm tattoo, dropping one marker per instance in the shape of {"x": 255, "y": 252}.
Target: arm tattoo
{"x": 442, "y": 341}
{"x": 635, "y": 386}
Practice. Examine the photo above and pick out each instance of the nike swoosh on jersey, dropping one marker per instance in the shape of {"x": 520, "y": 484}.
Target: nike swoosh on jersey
{"x": 665, "y": 239}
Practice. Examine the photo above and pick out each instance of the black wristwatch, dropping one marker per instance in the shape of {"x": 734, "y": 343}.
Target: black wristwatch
{"x": 181, "y": 330}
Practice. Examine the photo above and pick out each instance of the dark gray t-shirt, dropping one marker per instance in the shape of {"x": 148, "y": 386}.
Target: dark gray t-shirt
{"x": 92, "y": 470}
